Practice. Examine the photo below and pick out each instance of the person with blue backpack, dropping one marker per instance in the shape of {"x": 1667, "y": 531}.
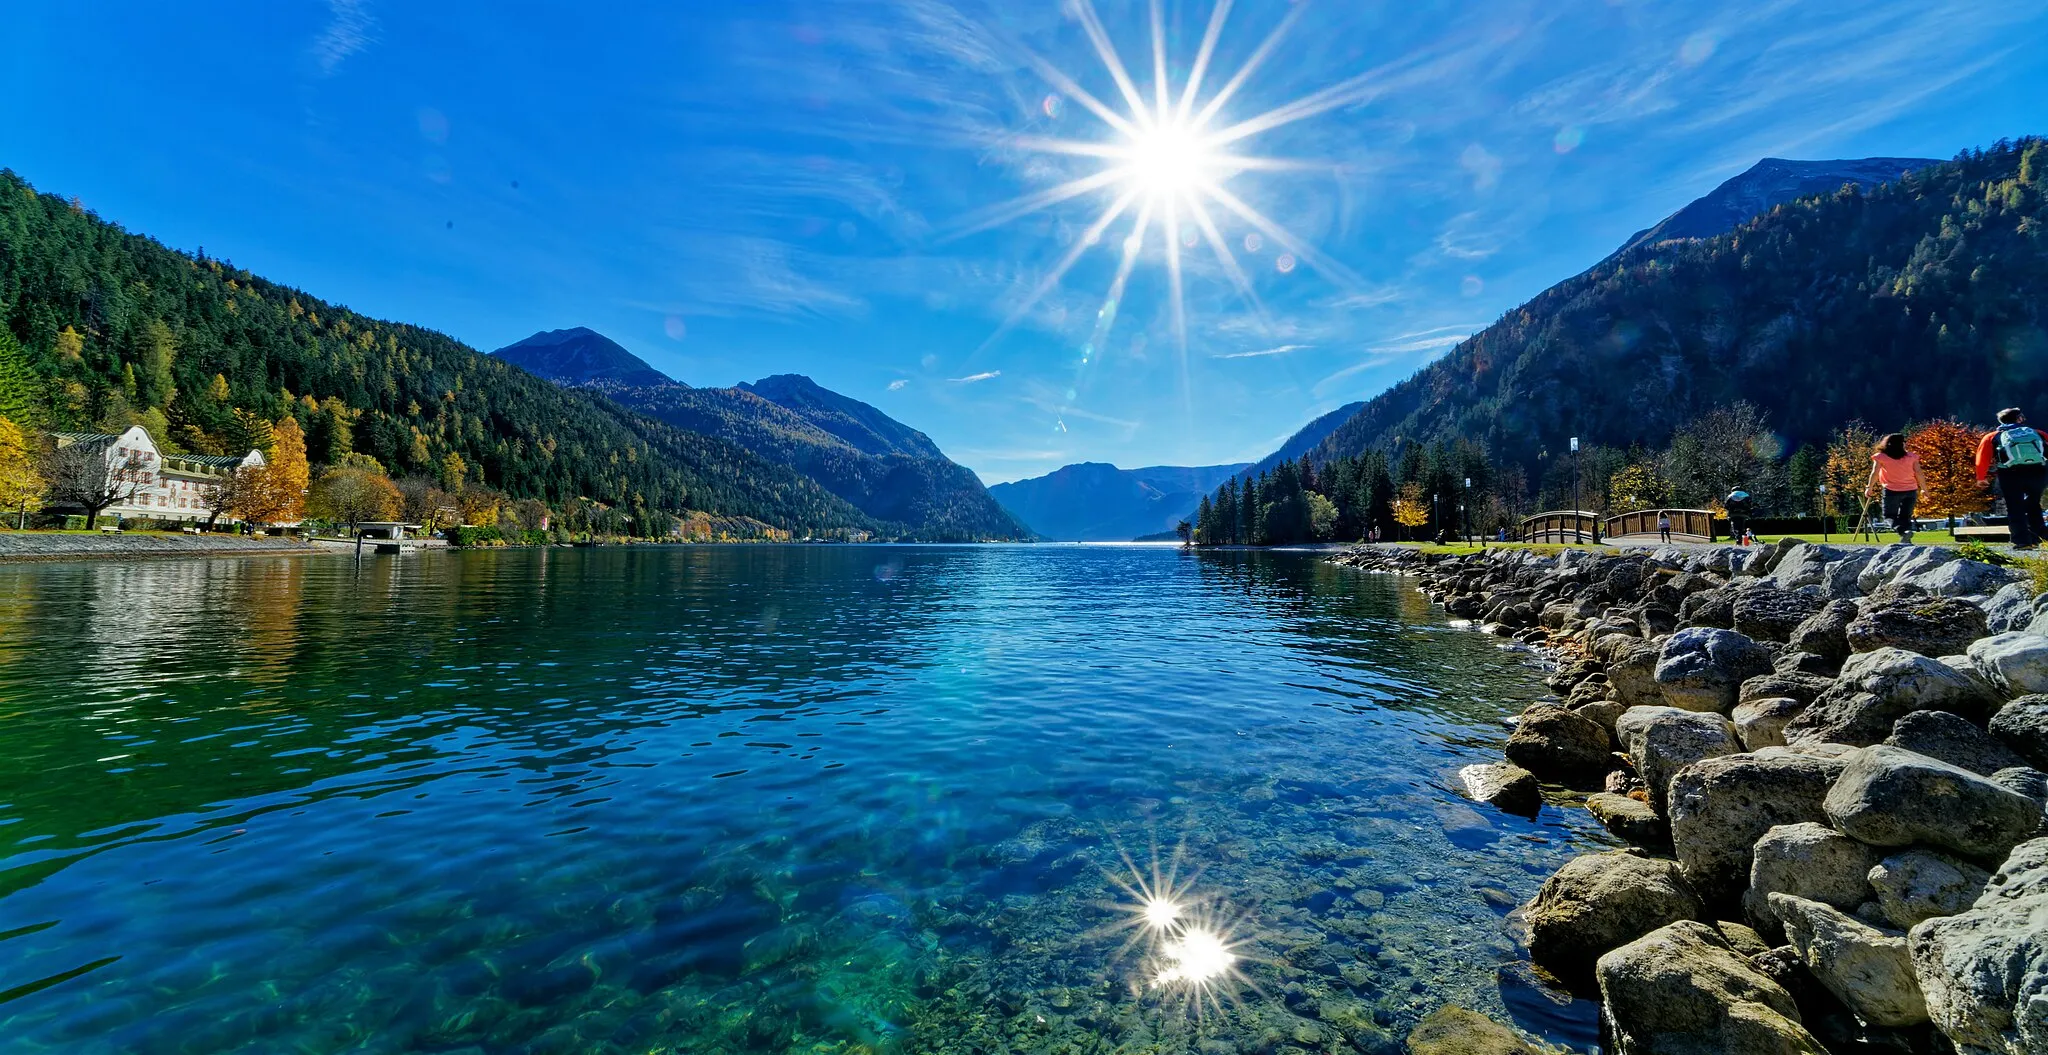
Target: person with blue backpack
{"x": 2016, "y": 451}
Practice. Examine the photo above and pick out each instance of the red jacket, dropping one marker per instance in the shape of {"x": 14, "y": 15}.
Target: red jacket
{"x": 1987, "y": 454}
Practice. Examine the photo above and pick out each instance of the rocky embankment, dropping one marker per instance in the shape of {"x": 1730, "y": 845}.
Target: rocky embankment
{"x": 46, "y": 546}
{"x": 1829, "y": 765}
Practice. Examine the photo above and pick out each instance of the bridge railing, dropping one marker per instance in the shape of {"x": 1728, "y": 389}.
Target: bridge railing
{"x": 1687, "y": 525}
{"x": 1562, "y": 526}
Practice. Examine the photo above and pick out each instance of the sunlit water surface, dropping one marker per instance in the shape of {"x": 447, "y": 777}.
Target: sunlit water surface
{"x": 753, "y": 799}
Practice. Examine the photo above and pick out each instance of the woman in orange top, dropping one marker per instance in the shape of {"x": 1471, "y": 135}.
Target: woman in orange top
{"x": 1897, "y": 470}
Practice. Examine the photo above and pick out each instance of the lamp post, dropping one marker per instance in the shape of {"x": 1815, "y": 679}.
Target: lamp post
{"x": 1824, "y": 517}
{"x": 1577, "y": 536}
{"x": 1465, "y": 520}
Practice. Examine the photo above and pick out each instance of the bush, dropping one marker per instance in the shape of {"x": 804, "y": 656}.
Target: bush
{"x": 476, "y": 536}
{"x": 1979, "y": 551}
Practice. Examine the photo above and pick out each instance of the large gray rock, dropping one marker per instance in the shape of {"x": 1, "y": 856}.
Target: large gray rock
{"x": 1939, "y": 734}
{"x": 1682, "y": 990}
{"x": 1961, "y": 578}
{"x": 2017, "y": 663}
{"x": 1808, "y": 860}
{"x": 1888, "y": 797}
{"x": 1901, "y": 559}
{"x": 1916, "y": 622}
{"x": 1840, "y": 582}
{"x": 1663, "y": 740}
{"x": 1917, "y": 885}
{"x": 1631, "y": 820}
{"x": 1878, "y": 688}
{"x": 1632, "y": 672}
{"x": 1761, "y": 723}
{"x": 1709, "y": 608}
{"x": 1985, "y": 971}
{"x": 1825, "y": 633}
{"x": 2023, "y": 726}
{"x": 1803, "y": 687}
{"x": 1765, "y": 613}
{"x": 1867, "y": 969}
{"x": 1794, "y": 661}
{"x": 1803, "y": 564}
{"x": 1453, "y": 1030}
{"x": 2011, "y": 608}
{"x": 1560, "y": 746}
{"x": 1505, "y": 785}
{"x": 1702, "y": 669}
{"x": 1598, "y": 902}
{"x": 1721, "y": 806}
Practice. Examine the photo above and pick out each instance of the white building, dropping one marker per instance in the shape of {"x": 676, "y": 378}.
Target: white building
{"x": 167, "y": 486}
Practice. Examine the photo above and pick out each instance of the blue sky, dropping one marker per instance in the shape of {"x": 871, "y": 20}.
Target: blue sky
{"x": 735, "y": 190}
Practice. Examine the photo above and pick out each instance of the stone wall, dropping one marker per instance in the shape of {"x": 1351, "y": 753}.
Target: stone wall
{"x": 48, "y": 546}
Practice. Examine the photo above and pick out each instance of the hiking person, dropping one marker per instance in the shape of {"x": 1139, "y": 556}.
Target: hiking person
{"x": 1664, "y": 527}
{"x": 1896, "y": 471}
{"x": 1737, "y": 503}
{"x": 2015, "y": 450}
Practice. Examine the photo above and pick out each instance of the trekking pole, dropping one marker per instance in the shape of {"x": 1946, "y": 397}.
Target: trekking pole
{"x": 1863, "y": 522}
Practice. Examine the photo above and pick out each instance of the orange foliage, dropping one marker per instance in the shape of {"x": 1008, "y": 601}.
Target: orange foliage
{"x": 1948, "y": 464}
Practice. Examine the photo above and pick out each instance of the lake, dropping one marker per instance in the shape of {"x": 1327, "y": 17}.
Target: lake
{"x": 754, "y": 799}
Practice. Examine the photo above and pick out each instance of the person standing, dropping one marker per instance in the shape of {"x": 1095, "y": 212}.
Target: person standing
{"x": 2015, "y": 450}
{"x": 1663, "y": 527}
{"x": 1896, "y": 471}
{"x": 1737, "y": 503}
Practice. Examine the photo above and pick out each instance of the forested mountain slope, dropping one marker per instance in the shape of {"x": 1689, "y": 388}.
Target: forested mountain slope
{"x": 114, "y": 328}
{"x": 1098, "y": 502}
{"x": 1926, "y": 297}
{"x": 1770, "y": 182}
{"x": 884, "y": 468}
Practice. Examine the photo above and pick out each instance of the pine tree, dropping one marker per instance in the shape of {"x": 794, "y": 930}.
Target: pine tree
{"x": 21, "y": 388}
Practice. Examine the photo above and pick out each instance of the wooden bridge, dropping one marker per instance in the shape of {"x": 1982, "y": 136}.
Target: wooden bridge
{"x": 1562, "y": 526}
{"x": 1687, "y": 525}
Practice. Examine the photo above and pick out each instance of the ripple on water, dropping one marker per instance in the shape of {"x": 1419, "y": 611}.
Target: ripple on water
{"x": 749, "y": 799}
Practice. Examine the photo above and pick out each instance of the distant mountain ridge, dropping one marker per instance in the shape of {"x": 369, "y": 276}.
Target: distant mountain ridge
{"x": 881, "y": 466}
{"x": 1765, "y": 185}
{"x": 1098, "y": 502}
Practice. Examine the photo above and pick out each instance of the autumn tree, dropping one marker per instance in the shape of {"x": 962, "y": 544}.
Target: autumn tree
{"x": 1411, "y": 507}
{"x": 229, "y": 493}
{"x": 348, "y": 494}
{"x": 1846, "y": 468}
{"x": 80, "y": 474}
{"x": 21, "y": 486}
{"x": 1638, "y": 486}
{"x": 1948, "y": 465}
{"x": 423, "y": 502}
{"x": 278, "y": 494}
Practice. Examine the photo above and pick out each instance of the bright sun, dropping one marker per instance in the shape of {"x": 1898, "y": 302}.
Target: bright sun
{"x": 1168, "y": 160}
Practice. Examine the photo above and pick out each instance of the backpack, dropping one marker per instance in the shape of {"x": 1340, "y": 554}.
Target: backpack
{"x": 2019, "y": 446}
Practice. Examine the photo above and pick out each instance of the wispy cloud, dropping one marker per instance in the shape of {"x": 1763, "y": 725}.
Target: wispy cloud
{"x": 351, "y": 29}
{"x": 970, "y": 379}
{"x": 898, "y": 385}
{"x": 1263, "y": 352}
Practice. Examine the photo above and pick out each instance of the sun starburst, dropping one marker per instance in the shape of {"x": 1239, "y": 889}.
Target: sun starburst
{"x": 1167, "y": 160}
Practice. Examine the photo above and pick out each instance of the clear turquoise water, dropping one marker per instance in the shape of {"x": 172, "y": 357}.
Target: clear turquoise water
{"x": 750, "y": 799}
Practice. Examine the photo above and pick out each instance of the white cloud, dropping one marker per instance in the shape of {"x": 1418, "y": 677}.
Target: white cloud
{"x": 351, "y": 30}
{"x": 898, "y": 385}
{"x": 1282, "y": 350}
{"x": 985, "y": 375}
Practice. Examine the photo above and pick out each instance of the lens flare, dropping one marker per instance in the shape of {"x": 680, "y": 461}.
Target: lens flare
{"x": 1160, "y": 912}
{"x": 1199, "y": 957}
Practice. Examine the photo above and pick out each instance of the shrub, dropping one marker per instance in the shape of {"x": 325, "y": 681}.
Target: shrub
{"x": 1979, "y": 551}
{"x": 477, "y": 536}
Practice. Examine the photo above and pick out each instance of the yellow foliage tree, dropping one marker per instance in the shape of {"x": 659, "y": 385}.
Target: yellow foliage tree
{"x": 353, "y": 494}
{"x": 1411, "y": 507}
{"x": 453, "y": 472}
{"x": 1847, "y": 468}
{"x": 1638, "y": 487}
{"x": 278, "y": 494}
{"x": 1948, "y": 465}
{"x": 21, "y": 486}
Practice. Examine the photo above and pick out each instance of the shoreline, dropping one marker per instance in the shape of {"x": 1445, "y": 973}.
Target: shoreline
{"x": 1825, "y": 763}
{"x": 42, "y": 548}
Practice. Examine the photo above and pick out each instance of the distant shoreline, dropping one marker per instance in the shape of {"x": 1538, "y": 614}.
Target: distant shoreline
{"x": 40, "y": 548}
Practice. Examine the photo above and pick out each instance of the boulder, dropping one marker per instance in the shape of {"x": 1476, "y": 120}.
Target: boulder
{"x": 1918, "y": 885}
{"x": 1682, "y": 990}
{"x": 1709, "y": 608}
{"x": 1720, "y": 807}
{"x": 1505, "y": 785}
{"x": 1598, "y": 902}
{"x": 2016, "y": 663}
{"x": 1960, "y": 578}
{"x": 2023, "y": 726}
{"x": 1765, "y": 613}
{"x": 1796, "y": 662}
{"x": 1867, "y": 969}
{"x": 1630, "y": 819}
{"x": 1803, "y": 564}
{"x": 1663, "y": 740}
{"x": 1761, "y": 723}
{"x": 1453, "y": 1030}
{"x": 2025, "y": 781}
{"x": 1807, "y": 860}
{"x": 2011, "y": 608}
{"x": 1632, "y": 671}
{"x": 1939, "y": 734}
{"x": 1888, "y": 796}
{"x": 1805, "y": 688}
{"x": 1878, "y": 688}
{"x": 1985, "y": 971}
{"x": 1825, "y": 633}
{"x": 1931, "y": 626}
{"x": 1840, "y": 581}
{"x": 1900, "y": 558}
{"x": 1702, "y": 669}
{"x": 1560, "y": 746}
{"x": 1601, "y": 712}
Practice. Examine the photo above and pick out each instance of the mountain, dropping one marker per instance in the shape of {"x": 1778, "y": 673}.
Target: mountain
{"x": 887, "y": 470}
{"x": 1097, "y": 502}
{"x": 117, "y": 329}
{"x": 1769, "y": 183}
{"x": 1925, "y": 297}
{"x": 580, "y": 355}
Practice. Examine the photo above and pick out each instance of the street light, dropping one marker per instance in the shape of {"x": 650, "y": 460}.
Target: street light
{"x": 1824, "y": 517}
{"x": 1576, "y": 535}
{"x": 1465, "y": 521}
